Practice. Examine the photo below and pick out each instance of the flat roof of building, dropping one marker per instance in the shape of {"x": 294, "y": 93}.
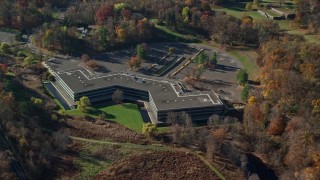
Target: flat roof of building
{"x": 166, "y": 94}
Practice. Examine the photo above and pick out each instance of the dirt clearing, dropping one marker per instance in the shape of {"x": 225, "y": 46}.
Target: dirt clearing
{"x": 159, "y": 165}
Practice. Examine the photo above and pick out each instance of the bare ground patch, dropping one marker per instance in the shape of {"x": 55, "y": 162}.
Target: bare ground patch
{"x": 160, "y": 165}
{"x": 98, "y": 129}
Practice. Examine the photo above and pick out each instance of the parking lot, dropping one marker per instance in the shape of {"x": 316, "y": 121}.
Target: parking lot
{"x": 221, "y": 79}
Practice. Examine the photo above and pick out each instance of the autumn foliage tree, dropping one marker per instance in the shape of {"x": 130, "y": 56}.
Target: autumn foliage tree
{"x": 277, "y": 126}
{"x": 103, "y": 13}
{"x": 92, "y": 64}
{"x": 83, "y": 104}
{"x": 134, "y": 62}
{"x": 282, "y": 117}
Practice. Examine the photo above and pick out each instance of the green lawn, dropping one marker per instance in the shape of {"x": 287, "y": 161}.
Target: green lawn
{"x": 174, "y": 35}
{"x": 249, "y": 66}
{"x": 126, "y": 114}
{"x": 237, "y": 9}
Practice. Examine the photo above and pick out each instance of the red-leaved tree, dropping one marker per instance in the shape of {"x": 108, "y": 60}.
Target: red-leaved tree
{"x": 103, "y": 13}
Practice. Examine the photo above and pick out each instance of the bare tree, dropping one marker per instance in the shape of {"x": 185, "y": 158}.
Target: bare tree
{"x": 85, "y": 58}
{"x": 172, "y": 118}
{"x": 117, "y": 96}
{"x": 176, "y": 133}
{"x": 188, "y": 130}
{"x": 213, "y": 120}
{"x": 186, "y": 118}
{"x": 210, "y": 144}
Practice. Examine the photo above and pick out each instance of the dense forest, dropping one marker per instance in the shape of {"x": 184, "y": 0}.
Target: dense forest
{"x": 281, "y": 118}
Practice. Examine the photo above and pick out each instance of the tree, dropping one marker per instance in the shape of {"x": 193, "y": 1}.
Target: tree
{"x": 120, "y": 6}
{"x": 142, "y": 50}
{"x": 188, "y": 133}
{"x": 245, "y": 93}
{"x": 252, "y": 100}
{"x": 5, "y": 48}
{"x": 134, "y": 62}
{"x": 186, "y": 14}
{"x": 83, "y": 104}
{"x": 85, "y": 58}
{"x": 277, "y": 126}
{"x": 103, "y": 13}
{"x": 213, "y": 120}
{"x": 121, "y": 33}
{"x": 172, "y": 118}
{"x": 36, "y": 101}
{"x": 242, "y": 77}
{"x": 92, "y": 64}
{"x": 176, "y": 131}
{"x": 149, "y": 129}
{"x": 210, "y": 146}
{"x": 171, "y": 19}
{"x": 200, "y": 71}
{"x": 249, "y": 6}
{"x": 202, "y": 58}
{"x": 102, "y": 36}
{"x": 219, "y": 134}
{"x": 171, "y": 49}
{"x": 117, "y": 96}
{"x": 214, "y": 59}
{"x": 48, "y": 39}
{"x": 126, "y": 14}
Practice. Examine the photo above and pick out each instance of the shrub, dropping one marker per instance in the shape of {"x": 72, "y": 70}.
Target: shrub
{"x": 5, "y": 48}
{"x": 149, "y": 129}
{"x": 54, "y": 117}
